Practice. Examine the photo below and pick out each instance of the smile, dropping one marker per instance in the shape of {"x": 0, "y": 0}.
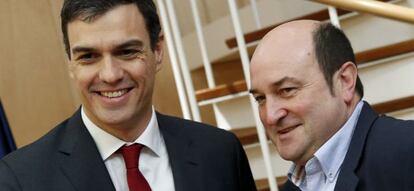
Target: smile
{"x": 114, "y": 94}
{"x": 287, "y": 130}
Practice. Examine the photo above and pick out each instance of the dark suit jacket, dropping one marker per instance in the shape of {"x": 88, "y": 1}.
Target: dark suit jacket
{"x": 380, "y": 156}
{"x": 67, "y": 159}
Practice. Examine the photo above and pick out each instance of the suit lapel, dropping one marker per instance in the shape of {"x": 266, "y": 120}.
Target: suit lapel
{"x": 289, "y": 186}
{"x": 80, "y": 160}
{"x": 348, "y": 180}
{"x": 182, "y": 153}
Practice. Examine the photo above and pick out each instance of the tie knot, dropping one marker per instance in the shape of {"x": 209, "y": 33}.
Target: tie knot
{"x": 131, "y": 155}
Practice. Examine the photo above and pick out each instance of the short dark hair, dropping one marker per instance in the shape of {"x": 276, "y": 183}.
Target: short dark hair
{"x": 87, "y": 10}
{"x": 333, "y": 49}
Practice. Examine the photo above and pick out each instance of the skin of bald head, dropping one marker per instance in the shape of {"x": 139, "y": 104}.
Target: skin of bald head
{"x": 299, "y": 110}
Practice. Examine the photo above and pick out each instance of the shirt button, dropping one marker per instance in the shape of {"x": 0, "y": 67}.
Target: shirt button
{"x": 331, "y": 177}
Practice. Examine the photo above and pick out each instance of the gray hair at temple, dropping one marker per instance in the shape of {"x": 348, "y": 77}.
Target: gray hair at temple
{"x": 332, "y": 50}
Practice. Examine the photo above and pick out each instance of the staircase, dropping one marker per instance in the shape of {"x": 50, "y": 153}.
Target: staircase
{"x": 364, "y": 57}
{"x": 385, "y": 58}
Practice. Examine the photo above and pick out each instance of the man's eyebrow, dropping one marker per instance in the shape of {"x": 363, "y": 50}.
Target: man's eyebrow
{"x": 284, "y": 80}
{"x": 278, "y": 83}
{"x": 129, "y": 43}
{"x": 79, "y": 49}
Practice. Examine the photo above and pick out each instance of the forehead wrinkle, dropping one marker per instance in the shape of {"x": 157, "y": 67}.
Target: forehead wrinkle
{"x": 284, "y": 80}
{"x": 278, "y": 83}
{"x": 130, "y": 43}
{"x": 115, "y": 44}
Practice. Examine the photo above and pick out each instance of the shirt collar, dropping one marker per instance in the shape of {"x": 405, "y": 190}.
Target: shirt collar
{"x": 297, "y": 174}
{"x": 332, "y": 153}
{"x": 108, "y": 144}
{"x": 329, "y": 156}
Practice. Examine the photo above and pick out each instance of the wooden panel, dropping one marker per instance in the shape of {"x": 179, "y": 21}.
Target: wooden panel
{"x": 34, "y": 85}
{"x": 56, "y": 6}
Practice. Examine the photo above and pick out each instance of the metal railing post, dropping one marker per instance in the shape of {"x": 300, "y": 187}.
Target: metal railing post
{"x": 245, "y": 62}
{"x": 183, "y": 61}
{"x": 333, "y": 16}
{"x": 173, "y": 58}
{"x": 204, "y": 54}
{"x": 256, "y": 15}
{"x": 200, "y": 35}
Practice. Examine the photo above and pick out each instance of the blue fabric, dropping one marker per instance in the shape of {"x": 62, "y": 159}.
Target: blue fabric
{"x": 7, "y": 144}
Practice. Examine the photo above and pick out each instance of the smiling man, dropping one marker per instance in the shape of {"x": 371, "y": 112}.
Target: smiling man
{"x": 305, "y": 80}
{"x": 116, "y": 140}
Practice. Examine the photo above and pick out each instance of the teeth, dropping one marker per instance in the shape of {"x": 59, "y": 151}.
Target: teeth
{"x": 114, "y": 94}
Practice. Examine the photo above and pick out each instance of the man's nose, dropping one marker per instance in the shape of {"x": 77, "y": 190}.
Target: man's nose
{"x": 275, "y": 112}
{"x": 111, "y": 71}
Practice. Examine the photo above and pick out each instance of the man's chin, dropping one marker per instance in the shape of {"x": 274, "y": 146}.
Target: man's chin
{"x": 287, "y": 153}
{"x": 113, "y": 117}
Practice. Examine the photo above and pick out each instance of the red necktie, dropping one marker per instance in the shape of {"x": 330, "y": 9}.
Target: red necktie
{"x": 136, "y": 181}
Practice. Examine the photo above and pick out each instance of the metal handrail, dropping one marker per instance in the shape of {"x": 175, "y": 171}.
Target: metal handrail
{"x": 377, "y": 8}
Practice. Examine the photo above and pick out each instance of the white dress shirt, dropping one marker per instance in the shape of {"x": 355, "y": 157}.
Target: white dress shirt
{"x": 153, "y": 162}
{"x": 322, "y": 170}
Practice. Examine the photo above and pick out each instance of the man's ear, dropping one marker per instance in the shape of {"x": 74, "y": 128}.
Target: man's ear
{"x": 347, "y": 76}
{"x": 159, "y": 51}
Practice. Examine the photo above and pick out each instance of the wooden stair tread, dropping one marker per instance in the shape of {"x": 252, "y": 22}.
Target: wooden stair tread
{"x": 249, "y": 135}
{"x": 258, "y": 34}
{"x": 234, "y": 56}
{"x": 394, "y": 105}
{"x": 361, "y": 58}
{"x": 221, "y": 90}
{"x": 385, "y": 51}
{"x": 246, "y": 135}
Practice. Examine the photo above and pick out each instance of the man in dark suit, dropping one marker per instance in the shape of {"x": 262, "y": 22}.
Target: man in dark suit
{"x": 309, "y": 95}
{"x": 116, "y": 140}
